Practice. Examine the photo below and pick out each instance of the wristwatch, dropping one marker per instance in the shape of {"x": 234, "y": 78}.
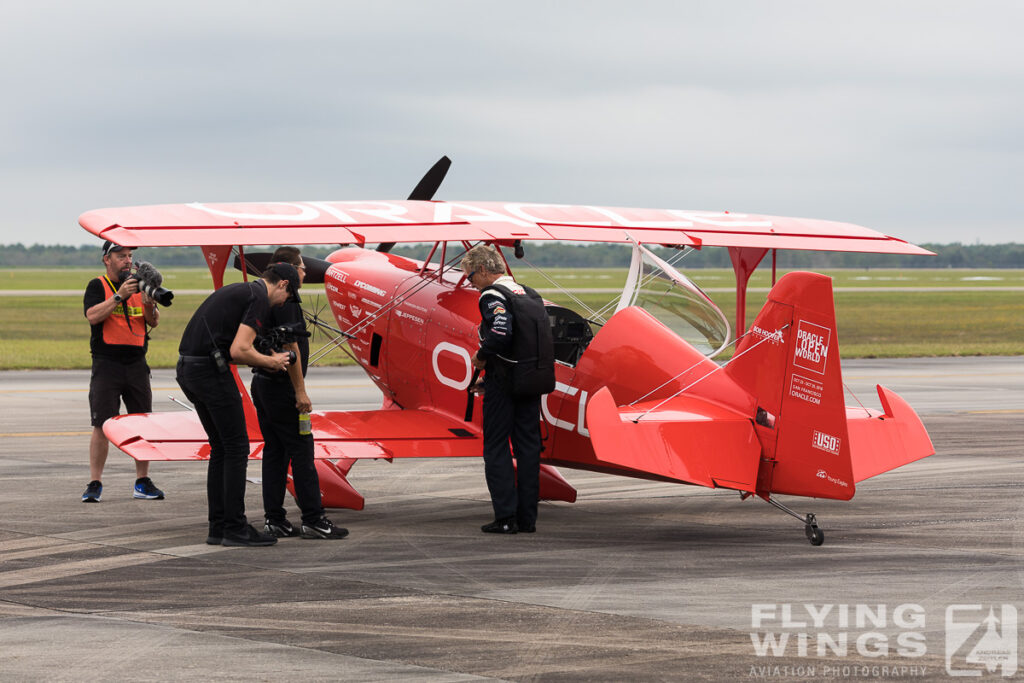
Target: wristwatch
{"x": 117, "y": 298}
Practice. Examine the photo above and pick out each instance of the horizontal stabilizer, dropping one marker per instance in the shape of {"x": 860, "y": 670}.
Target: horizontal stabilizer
{"x": 880, "y": 442}
{"x": 686, "y": 439}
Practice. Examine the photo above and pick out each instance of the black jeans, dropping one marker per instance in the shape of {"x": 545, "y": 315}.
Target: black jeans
{"x": 283, "y": 446}
{"x": 514, "y": 491}
{"x": 219, "y": 405}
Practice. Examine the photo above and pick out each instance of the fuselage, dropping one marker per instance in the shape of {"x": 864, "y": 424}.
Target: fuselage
{"x": 415, "y": 331}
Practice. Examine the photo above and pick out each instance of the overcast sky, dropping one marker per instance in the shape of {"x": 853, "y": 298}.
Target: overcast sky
{"x": 905, "y": 117}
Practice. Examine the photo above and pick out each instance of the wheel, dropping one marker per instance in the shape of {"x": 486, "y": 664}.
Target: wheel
{"x": 815, "y": 535}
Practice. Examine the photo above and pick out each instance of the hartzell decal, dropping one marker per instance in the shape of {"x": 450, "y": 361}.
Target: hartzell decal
{"x": 811, "y": 348}
{"x": 370, "y": 288}
{"x": 826, "y": 442}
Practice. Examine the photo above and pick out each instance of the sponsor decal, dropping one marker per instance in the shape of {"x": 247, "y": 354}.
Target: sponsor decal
{"x": 811, "y": 348}
{"x": 356, "y": 311}
{"x": 415, "y": 307}
{"x": 823, "y": 474}
{"x": 370, "y": 288}
{"x": 775, "y": 337}
{"x": 463, "y": 362}
{"x": 581, "y": 413}
{"x": 331, "y": 287}
{"x": 825, "y": 442}
{"x": 368, "y": 302}
{"x": 340, "y": 275}
{"x": 498, "y": 310}
{"x": 806, "y": 389}
{"x": 409, "y": 316}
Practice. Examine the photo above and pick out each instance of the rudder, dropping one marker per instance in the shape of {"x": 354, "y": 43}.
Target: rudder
{"x": 789, "y": 361}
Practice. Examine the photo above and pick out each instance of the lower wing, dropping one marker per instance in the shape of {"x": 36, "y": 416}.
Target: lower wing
{"x": 336, "y": 434}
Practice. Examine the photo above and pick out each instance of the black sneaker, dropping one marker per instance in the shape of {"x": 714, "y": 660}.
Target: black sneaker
{"x": 501, "y": 526}
{"x": 249, "y": 538}
{"x": 145, "y": 490}
{"x": 526, "y": 527}
{"x": 323, "y": 528}
{"x": 93, "y": 492}
{"x": 280, "y": 529}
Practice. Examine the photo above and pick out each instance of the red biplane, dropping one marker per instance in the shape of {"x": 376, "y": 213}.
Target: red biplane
{"x": 638, "y": 393}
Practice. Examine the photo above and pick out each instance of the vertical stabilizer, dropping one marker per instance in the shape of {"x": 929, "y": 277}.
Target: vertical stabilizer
{"x": 790, "y": 362}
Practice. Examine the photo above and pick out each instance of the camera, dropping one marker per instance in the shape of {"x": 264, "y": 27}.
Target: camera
{"x": 274, "y": 339}
{"x": 150, "y": 279}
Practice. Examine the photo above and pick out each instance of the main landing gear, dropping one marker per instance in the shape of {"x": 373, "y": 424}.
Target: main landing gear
{"x": 814, "y": 534}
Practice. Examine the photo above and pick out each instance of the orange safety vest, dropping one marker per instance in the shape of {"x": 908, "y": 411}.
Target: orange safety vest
{"x": 124, "y": 330}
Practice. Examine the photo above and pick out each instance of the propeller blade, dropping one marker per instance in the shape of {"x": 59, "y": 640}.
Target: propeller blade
{"x": 424, "y": 190}
{"x": 431, "y": 180}
{"x": 258, "y": 261}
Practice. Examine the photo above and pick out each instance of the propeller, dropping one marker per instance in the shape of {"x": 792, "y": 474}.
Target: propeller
{"x": 424, "y": 190}
{"x": 259, "y": 261}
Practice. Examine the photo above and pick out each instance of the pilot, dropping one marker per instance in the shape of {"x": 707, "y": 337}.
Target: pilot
{"x": 222, "y": 331}
{"x": 507, "y": 414}
{"x": 280, "y": 398}
{"x": 119, "y": 315}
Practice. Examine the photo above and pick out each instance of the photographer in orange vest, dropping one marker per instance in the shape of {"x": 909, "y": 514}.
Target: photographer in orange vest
{"x": 120, "y": 316}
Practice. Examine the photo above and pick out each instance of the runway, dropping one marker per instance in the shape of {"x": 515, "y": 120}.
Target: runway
{"x": 635, "y": 581}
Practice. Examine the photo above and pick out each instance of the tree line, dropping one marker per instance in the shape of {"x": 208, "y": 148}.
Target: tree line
{"x": 568, "y": 255}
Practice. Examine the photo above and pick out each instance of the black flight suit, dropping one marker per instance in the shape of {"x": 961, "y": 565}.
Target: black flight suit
{"x": 514, "y": 491}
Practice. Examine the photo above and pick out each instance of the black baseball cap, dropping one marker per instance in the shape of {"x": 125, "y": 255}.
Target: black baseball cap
{"x": 287, "y": 271}
{"x": 110, "y": 247}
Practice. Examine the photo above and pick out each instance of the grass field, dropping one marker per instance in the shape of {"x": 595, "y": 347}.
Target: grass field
{"x": 49, "y": 331}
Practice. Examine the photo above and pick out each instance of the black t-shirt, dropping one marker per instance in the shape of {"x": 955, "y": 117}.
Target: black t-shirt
{"x": 289, "y": 313}
{"x": 216, "y": 321}
{"x": 125, "y": 353}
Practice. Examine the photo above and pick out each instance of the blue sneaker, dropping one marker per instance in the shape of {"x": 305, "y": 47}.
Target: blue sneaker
{"x": 92, "y": 492}
{"x": 145, "y": 490}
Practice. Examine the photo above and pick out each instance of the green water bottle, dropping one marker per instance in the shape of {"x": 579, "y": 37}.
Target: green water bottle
{"x": 304, "y": 426}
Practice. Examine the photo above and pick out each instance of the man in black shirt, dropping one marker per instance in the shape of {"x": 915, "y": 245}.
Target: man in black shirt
{"x": 119, "y": 315}
{"x": 222, "y": 331}
{"x": 280, "y": 398}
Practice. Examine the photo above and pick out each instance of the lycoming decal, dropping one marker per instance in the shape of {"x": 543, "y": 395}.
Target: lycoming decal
{"x": 370, "y": 288}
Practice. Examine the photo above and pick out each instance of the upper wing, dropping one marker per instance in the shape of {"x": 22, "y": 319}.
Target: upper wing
{"x": 324, "y": 222}
{"x": 336, "y": 434}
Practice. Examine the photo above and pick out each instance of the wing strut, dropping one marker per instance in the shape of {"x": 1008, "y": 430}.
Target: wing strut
{"x": 744, "y": 263}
